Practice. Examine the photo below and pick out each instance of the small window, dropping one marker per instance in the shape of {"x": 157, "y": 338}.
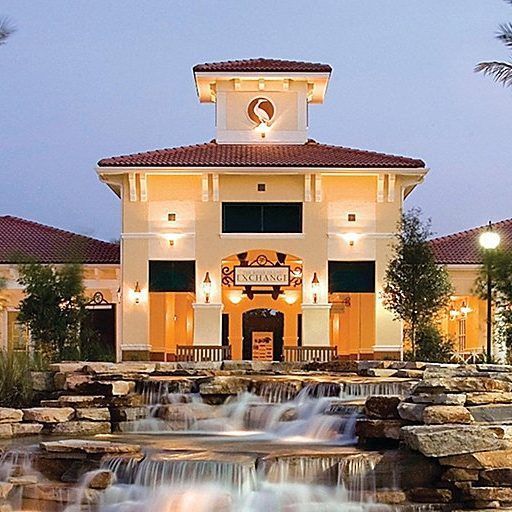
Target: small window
{"x": 351, "y": 277}
{"x": 171, "y": 217}
{"x": 351, "y": 217}
{"x": 172, "y": 276}
{"x": 262, "y": 217}
{"x": 262, "y": 187}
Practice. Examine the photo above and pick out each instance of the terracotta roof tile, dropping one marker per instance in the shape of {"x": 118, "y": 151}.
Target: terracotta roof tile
{"x": 463, "y": 249}
{"x": 263, "y": 65}
{"x": 25, "y": 240}
{"x": 311, "y": 154}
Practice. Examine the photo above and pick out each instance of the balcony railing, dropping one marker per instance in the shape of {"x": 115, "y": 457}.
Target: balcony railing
{"x": 203, "y": 353}
{"x": 310, "y": 354}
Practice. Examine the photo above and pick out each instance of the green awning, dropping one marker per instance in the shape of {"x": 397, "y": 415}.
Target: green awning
{"x": 352, "y": 276}
{"x": 172, "y": 276}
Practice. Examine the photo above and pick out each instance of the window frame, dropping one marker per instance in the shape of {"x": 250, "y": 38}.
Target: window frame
{"x": 262, "y": 205}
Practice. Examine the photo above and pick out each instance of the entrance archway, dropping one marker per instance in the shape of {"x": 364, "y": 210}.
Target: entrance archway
{"x": 263, "y": 330}
{"x": 266, "y": 280}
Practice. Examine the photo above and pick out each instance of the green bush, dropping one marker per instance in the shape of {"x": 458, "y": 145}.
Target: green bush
{"x": 15, "y": 378}
{"x": 431, "y": 346}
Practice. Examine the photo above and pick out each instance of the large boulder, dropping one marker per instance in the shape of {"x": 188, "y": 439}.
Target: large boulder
{"x": 48, "y": 414}
{"x": 411, "y": 412}
{"x": 26, "y": 429}
{"x": 482, "y": 398}
{"x": 495, "y": 459}
{"x": 444, "y": 440}
{"x": 225, "y": 386}
{"x": 496, "y": 477}
{"x": 443, "y": 414}
{"x": 461, "y": 385}
{"x": 439, "y": 398}
{"x": 8, "y": 415}
{"x": 382, "y": 407}
{"x": 367, "y": 429}
{"x": 93, "y": 414}
{"x": 79, "y": 428}
{"x": 88, "y": 447}
{"x": 430, "y": 495}
{"x": 492, "y": 413}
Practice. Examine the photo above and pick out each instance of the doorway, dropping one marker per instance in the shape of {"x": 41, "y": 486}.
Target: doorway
{"x": 262, "y": 329}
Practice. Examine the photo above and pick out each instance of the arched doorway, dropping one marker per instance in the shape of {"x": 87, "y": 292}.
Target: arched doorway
{"x": 262, "y": 334}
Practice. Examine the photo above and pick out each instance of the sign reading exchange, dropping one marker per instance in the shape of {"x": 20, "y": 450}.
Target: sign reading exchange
{"x": 262, "y": 276}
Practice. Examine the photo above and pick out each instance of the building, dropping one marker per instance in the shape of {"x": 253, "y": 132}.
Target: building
{"x": 24, "y": 241}
{"x": 263, "y": 242}
{"x": 465, "y": 320}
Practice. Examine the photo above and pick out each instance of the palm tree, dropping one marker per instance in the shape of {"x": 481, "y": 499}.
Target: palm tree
{"x": 6, "y": 29}
{"x": 500, "y": 71}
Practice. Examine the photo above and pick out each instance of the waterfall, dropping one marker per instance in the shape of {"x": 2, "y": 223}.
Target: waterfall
{"x": 364, "y": 389}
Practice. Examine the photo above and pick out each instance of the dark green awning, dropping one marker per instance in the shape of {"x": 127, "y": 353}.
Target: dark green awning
{"x": 352, "y": 276}
{"x": 172, "y": 276}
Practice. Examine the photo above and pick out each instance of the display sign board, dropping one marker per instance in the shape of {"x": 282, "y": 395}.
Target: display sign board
{"x": 262, "y": 276}
{"x": 262, "y": 346}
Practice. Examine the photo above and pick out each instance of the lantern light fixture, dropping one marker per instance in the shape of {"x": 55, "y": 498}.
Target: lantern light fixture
{"x": 137, "y": 293}
{"x": 207, "y": 287}
{"x": 315, "y": 286}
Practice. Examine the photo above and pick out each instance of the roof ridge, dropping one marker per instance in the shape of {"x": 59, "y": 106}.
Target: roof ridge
{"x": 47, "y": 227}
{"x": 469, "y": 231}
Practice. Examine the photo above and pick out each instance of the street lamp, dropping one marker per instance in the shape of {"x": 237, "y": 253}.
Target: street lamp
{"x": 489, "y": 241}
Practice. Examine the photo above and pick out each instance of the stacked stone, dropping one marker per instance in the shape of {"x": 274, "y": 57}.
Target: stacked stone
{"x": 462, "y": 417}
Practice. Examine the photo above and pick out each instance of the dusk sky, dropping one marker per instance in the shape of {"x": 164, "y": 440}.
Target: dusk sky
{"x": 85, "y": 79}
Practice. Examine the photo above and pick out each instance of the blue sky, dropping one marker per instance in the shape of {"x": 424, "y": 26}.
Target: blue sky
{"x": 86, "y": 79}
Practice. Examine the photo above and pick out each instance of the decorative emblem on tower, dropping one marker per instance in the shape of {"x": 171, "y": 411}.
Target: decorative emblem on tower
{"x": 261, "y": 112}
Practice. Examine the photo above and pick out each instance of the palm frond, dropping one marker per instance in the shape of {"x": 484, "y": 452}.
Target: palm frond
{"x": 505, "y": 34}
{"x": 6, "y": 29}
{"x": 500, "y": 71}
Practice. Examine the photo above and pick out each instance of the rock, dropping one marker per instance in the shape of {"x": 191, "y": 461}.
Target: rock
{"x": 128, "y": 413}
{"x": 67, "y": 367}
{"x": 89, "y": 447}
{"x": 480, "y": 398}
{"x": 80, "y": 428}
{"x": 382, "y": 407}
{"x": 439, "y": 398}
{"x": 5, "y": 430}
{"x": 460, "y": 475}
{"x": 78, "y": 401}
{"x": 43, "y": 381}
{"x": 107, "y": 388}
{"x": 100, "y": 479}
{"x": 378, "y": 372}
{"x": 187, "y": 413}
{"x": 492, "y": 413}
{"x": 378, "y": 429}
{"x": 5, "y": 489}
{"x": 70, "y": 381}
{"x": 224, "y": 386}
{"x": 489, "y": 493}
{"x": 483, "y": 506}
{"x": 461, "y": 385}
{"x": 48, "y": 414}
{"x": 390, "y": 496}
{"x": 444, "y": 440}
{"x": 486, "y": 367}
{"x": 26, "y": 429}
{"x": 8, "y": 415}
{"x": 428, "y": 495}
{"x": 93, "y": 414}
{"x": 409, "y": 374}
{"x": 99, "y": 367}
{"x": 411, "y": 412}
{"x": 496, "y": 477}
{"x": 442, "y": 414}
{"x": 496, "y": 459}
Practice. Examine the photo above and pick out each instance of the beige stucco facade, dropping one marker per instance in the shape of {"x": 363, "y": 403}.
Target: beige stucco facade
{"x": 173, "y": 213}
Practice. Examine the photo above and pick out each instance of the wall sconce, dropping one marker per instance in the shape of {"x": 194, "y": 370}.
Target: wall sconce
{"x": 263, "y": 128}
{"x": 137, "y": 293}
{"x": 351, "y": 238}
{"x": 207, "y": 287}
{"x": 465, "y": 309}
{"x": 454, "y": 313}
{"x": 315, "y": 286}
{"x": 290, "y": 298}
{"x": 235, "y": 297}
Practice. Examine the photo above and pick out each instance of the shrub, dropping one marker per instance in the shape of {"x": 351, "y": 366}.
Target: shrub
{"x": 431, "y": 346}
{"x": 15, "y": 379}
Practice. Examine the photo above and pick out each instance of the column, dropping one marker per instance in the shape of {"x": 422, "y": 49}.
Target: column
{"x": 315, "y": 324}
{"x": 207, "y": 324}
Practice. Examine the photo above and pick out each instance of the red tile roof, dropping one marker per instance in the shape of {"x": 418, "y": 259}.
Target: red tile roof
{"x": 263, "y": 65}
{"x": 463, "y": 249}
{"x": 23, "y": 240}
{"x": 311, "y": 154}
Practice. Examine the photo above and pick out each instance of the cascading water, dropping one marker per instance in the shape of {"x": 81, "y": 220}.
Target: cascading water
{"x": 311, "y": 411}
